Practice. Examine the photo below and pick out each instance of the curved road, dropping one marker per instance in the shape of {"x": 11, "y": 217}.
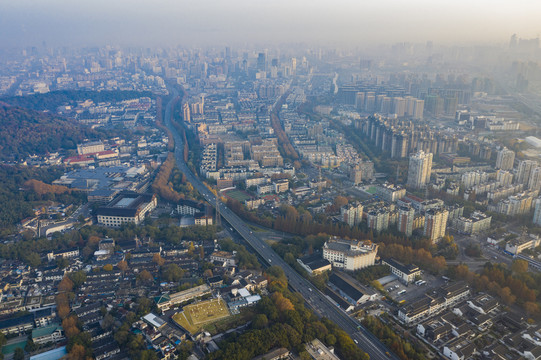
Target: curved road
{"x": 316, "y": 299}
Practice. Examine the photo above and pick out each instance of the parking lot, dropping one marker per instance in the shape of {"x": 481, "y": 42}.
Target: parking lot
{"x": 400, "y": 292}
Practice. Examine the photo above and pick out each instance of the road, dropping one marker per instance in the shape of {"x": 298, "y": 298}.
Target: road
{"x": 316, "y": 299}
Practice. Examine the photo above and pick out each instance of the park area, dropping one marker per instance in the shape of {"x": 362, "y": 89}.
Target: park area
{"x": 239, "y": 195}
{"x": 194, "y": 316}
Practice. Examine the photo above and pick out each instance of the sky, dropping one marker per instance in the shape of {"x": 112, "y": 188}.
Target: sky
{"x": 241, "y": 22}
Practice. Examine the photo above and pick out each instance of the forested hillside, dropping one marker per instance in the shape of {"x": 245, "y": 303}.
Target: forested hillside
{"x": 50, "y": 101}
{"x": 24, "y": 132}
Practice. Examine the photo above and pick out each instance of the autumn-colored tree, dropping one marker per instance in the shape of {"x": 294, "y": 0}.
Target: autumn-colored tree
{"x": 107, "y": 267}
{"x": 122, "y": 265}
{"x": 145, "y": 276}
{"x": 158, "y": 260}
{"x": 66, "y": 285}
{"x": 532, "y": 308}
{"x": 507, "y": 296}
{"x": 282, "y": 303}
{"x": 69, "y": 325}
{"x": 161, "y": 182}
{"x": 207, "y": 273}
{"x": 340, "y": 201}
{"x": 41, "y": 188}
{"x": 77, "y": 352}
{"x": 519, "y": 266}
{"x": 93, "y": 241}
{"x": 62, "y": 305}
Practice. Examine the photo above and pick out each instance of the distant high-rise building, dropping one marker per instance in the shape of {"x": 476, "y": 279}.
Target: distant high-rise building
{"x": 513, "y": 42}
{"x": 356, "y": 174}
{"x": 435, "y": 223}
{"x": 262, "y": 61}
{"x": 378, "y": 219}
{"x": 534, "y": 182}
{"x": 450, "y": 104}
{"x": 186, "y": 112}
{"x": 352, "y": 214}
{"x": 418, "y": 109}
{"x": 419, "y": 170}
{"x": 406, "y": 215}
{"x": 399, "y": 106}
{"x": 537, "y": 212}
{"x": 525, "y": 168}
{"x": 359, "y": 100}
{"x": 505, "y": 159}
{"x": 370, "y": 101}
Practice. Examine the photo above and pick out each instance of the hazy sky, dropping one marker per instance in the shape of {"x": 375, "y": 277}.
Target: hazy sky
{"x": 215, "y": 22}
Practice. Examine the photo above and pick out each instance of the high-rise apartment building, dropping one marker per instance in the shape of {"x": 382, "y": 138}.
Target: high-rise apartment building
{"x": 406, "y": 214}
{"x": 419, "y": 170}
{"x": 435, "y": 223}
{"x": 525, "y": 168}
{"x": 186, "y": 112}
{"x": 537, "y": 212}
{"x": 534, "y": 182}
{"x": 352, "y": 214}
{"x": 505, "y": 159}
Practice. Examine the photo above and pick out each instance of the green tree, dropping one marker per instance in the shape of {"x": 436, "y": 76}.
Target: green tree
{"x": 62, "y": 263}
{"x": 260, "y": 321}
{"x": 172, "y": 273}
{"x": 30, "y": 346}
{"x": 18, "y": 354}
{"x": 78, "y": 278}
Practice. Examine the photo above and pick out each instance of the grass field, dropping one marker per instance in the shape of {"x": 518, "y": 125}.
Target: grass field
{"x": 195, "y": 316}
{"x": 371, "y": 190}
{"x": 238, "y": 195}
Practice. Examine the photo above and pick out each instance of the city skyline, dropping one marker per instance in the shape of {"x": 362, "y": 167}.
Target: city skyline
{"x": 144, "y": 23}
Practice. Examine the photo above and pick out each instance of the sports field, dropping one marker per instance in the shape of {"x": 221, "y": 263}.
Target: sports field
{"x": 194, "y": 316}
{"x": 238, "y": 195}
{"x": 371, "y": 190}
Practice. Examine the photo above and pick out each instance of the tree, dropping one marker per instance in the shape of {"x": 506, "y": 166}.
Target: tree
{"x": 77, "y": 352}
{"x": 144, "y": 276}
{"x": 62, "y": 305}
{"x": 519, "y": 266}
{"x": 107, "y": 267}
{"x": 172, "y": 273}
{"x": 122, "y": 265}
{"x": 158, "y": 260}
{"x": 340, "y": 201}
{"x": 144, "y": 306}
{"x": 62, "y": 263}
{"x": 531, "y": 308}
{"x": 282, "y": 303}
{"x": 78, "y": 278}
{"x": 69, "y": 325}
{"x": 260, "y": 321}
{"x": 30, "y": 346}
{"x": 66, "y": 285}
{"x": 18, "y": 354}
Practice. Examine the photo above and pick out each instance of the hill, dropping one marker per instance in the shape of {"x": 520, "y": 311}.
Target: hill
{"x": 50, "y": 101}
{"x": 24, "y": 132}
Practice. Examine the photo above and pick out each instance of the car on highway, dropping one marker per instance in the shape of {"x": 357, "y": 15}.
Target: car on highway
{"x": 356, "y": 342}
